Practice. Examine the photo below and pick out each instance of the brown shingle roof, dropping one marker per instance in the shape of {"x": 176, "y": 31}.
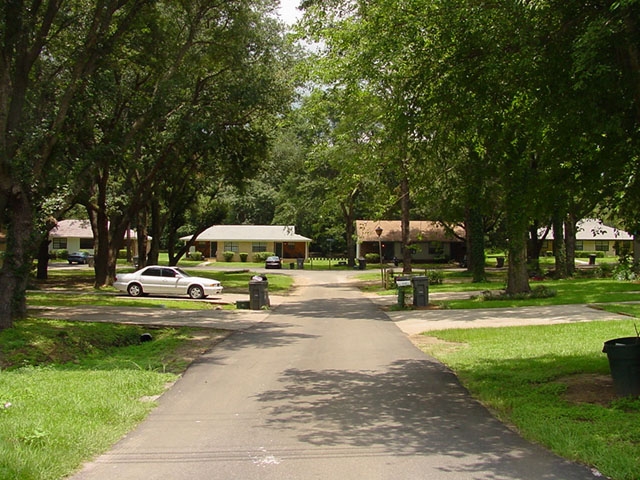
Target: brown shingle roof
{"x": 421, "y": 231}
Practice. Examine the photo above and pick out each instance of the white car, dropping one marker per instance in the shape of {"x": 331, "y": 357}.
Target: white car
{"x": 166, "y": 281}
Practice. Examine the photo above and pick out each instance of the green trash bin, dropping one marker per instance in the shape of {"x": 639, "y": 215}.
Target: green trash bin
{"x": 624, "y": 363}
{"x": 420, "y": 291}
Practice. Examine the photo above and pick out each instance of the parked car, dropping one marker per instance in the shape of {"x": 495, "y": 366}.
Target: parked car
{"x": 273, "y": 262}
{"x": 166, "y": 281}
{"x": 79, "y": 258}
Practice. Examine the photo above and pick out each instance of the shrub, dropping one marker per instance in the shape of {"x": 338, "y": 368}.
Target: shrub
{"x": 372, "y": 257}
{"x": 436, "y": 277}
{"x": 196, "y": 256}
{"x": 243, "y": 256}
{"x": 228, "y": 256}
{"x": 262, "y": 256}
{"x": 53, "y": 254}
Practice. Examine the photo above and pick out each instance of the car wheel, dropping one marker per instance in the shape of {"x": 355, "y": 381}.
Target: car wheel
{"x": 196, "y": 292}
{"x": 135, "y": 290}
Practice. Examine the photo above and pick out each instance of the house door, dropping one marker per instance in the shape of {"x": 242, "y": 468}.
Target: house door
{"x": 278, "y": 251}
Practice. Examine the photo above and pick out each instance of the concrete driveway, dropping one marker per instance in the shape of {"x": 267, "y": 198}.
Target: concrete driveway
{"x": 324, "y": 387}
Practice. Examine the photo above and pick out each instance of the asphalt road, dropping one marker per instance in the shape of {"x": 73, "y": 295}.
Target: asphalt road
{"x": 325, "y": 387}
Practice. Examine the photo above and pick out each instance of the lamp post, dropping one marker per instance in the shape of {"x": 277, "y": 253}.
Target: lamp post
{"x": 379, "y": 234}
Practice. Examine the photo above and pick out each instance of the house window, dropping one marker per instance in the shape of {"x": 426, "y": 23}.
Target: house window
{"x": 602, "y": 246}
{"x": 86, "y": 244}
{"x": 435, "y": 248}
{"x": 231, "y": 247}
{"x": 59, "y": 244}
{"x": 579, "y": 246}
{"x": 259, "y": 247}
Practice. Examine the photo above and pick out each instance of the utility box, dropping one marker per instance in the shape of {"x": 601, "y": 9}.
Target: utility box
{"x": 300, "y": 263}
{"x": 420, "y": 291}
{"x": 258, "y": 294}
{"x": 402, "y": 283}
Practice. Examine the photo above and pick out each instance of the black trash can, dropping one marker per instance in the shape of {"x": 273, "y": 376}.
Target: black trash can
{"x": 420, "y": 291}
{"x": 362, "y": 264}
{"x": 592, "y": 259}
{"x": 624, "y": 363}
{"x": 258, "y": 294}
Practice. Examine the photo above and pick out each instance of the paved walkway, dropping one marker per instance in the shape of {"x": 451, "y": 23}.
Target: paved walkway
{"x": 323, "y": 387}
{"x": 414, "y": 322}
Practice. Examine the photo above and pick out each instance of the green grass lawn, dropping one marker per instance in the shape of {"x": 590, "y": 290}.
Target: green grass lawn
{"x": 63, "y": 288}
{"x": 571, "y": 291}
{"x": 68, "y": 391}
{"x": 57, "y": 378}
{"x": 524, "y": 375}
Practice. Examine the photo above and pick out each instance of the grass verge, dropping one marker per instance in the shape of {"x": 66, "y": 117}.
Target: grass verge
{"x": 568, "y": 292}
{"x": 68, "y": 391}
{"x": 552, "y": 384}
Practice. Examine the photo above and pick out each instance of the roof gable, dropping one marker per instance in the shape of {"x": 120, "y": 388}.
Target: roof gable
{"x": 250, "y": 233}
{"x": 78, "y": 229}
{"x": 72, "y": 229}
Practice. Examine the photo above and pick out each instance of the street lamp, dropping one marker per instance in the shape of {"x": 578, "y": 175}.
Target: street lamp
{"x": 379, "y": 234}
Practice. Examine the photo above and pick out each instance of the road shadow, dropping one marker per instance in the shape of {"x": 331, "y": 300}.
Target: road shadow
{"x": 414, "y": 407}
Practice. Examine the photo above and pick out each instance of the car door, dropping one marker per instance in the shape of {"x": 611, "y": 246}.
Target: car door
{"x": 151, "y": 280}
{"x": 171, "y": 282}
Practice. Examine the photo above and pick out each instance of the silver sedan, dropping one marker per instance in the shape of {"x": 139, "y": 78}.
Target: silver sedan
{"x": 166, "y": 281}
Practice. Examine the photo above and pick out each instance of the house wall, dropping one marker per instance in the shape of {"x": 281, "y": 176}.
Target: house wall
{"x": 287, "y": 250}
{"x": 592, "y": 246}
{"x": 73, "y": 245}
{"x": 422, "y": 253}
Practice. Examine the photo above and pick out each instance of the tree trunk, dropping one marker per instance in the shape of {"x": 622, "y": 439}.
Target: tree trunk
{"x": 14, "y": 275}
{"x": 142, "y": 231}
{"x": 43, "y": 259}
{"x": 347, "y": 208}
{"x": 517, "y": 276}
{"x": 559, "y": 252}
{"x": 517, "y": 224}
{"x": 100, "y": 228}
{"x": 406, "y": 225}
{"x": 570, "y": 243}
{"x": 156, "y": 233}
{"x": 475, "y": 251}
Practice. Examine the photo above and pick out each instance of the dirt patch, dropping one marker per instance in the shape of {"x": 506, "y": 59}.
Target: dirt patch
{"x": 589, "y": 388}
{"x": 394, "y": 307}
{"x": 427, "y": 344}
{"x": 199, "y": 343}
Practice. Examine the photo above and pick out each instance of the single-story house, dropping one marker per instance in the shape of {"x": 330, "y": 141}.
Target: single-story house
{"x": 430, "y": 240}
{"x": 593, "y": 236}
{"x": 279, "y": 239}
{"x": 75, "y": 235}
